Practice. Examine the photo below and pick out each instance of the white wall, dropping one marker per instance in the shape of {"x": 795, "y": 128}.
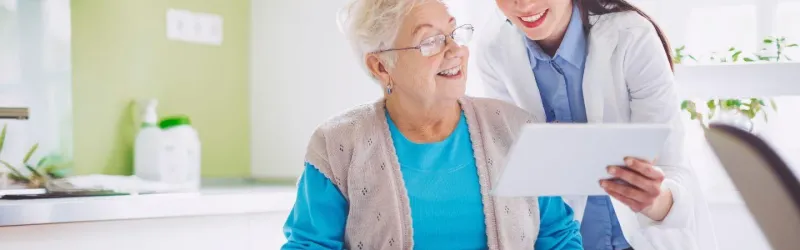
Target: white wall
{"x": 302, "y": 72}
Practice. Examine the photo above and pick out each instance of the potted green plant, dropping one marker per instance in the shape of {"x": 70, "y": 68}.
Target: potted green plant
{"x": 730, "y": 108}
{"x": 742, "y": 111}
{"x": 48, "y": 167}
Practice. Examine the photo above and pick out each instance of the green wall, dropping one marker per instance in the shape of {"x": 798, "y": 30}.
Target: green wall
{"x": 121, "y": 54}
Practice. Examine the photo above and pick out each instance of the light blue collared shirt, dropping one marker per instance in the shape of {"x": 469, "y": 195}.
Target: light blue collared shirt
{"x": 560, "y": 80}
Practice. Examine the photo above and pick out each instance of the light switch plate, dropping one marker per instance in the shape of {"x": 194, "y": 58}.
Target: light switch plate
{"x": 214, "y": 29}
{"x": 194, "y": 27}
{"x": 177, "y": 20}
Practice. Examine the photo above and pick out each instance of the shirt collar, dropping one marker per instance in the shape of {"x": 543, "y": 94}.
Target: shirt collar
{"x": 572, "y": 48}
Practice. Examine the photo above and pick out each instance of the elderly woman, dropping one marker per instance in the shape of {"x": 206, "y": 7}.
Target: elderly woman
{"x": 414, "y": 170}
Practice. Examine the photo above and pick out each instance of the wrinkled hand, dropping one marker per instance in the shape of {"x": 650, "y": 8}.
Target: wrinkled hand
{"x": 640, "y": 187}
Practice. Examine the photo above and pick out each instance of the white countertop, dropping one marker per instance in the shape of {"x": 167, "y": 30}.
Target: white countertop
{"x": 217, "y": 200}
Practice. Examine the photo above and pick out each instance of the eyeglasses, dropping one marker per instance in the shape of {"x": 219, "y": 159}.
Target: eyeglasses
{"x": 435, "y": 44}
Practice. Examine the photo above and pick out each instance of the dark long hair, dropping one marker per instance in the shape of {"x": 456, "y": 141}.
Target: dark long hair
{"x": 600, "y": 7}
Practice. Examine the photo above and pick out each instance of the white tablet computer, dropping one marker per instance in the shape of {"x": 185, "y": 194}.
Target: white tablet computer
{"x": 571, "y": 159}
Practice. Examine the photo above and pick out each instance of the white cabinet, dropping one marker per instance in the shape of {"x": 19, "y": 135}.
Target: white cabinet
{"x": 235, "y": 217}
{"x": 240, "y": 232}
{"x": 266, "y": 230}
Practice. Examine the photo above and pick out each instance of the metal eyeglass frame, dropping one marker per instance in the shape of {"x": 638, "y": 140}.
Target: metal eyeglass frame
{"x": 438, "y": 38}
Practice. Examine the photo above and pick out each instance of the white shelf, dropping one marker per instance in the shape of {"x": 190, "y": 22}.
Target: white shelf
{"x": 738, "y": 80}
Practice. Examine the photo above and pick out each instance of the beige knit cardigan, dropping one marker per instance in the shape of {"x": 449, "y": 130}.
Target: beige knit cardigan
{"x": 355, "y": 151}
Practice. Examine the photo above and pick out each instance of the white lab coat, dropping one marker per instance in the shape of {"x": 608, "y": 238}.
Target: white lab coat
{"x": 627, "y": 79}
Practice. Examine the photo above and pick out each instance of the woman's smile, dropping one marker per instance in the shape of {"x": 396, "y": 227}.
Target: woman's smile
{"x": 534, "y": 20}
{"x": 451, "y": 73}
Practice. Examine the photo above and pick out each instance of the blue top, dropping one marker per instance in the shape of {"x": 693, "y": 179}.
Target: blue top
{"x": 560, "y": 80}
{"x": 442, "y": 183}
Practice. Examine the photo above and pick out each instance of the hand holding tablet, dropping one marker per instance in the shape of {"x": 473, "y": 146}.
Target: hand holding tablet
{"x": 571, "y": 159}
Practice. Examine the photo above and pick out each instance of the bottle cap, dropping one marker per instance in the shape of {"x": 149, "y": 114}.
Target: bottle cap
{"x": 174, "y": 121}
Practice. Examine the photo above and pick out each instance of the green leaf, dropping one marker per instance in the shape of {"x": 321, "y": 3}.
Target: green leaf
{"x": 792, "y": 45}
{"x": 736, "y": 55}
{"x": 772, "y": 103}
{"x": 728, "y": 103}
{"x": 754, "y": 105}
{"x": 3, "y": 136}
{"x": 14, "y": 170}
{"x": 679, "y": 52}
{"x": 33, "y": 170}
{"x": 748, "y": 59}
{"x": 732, "y": 49}
{"x": 750, "y": 113}
{"x": 692, "y": 57}
{"x": 41, "y": 162}
{"x": 767, "y": 40}
{"x": 58, "y": 173}
{"x": 19, "y": 177}
{"x": 712, "y": 104}
{"x": 712, "y": 107}
{"x": 691, "y": 108}
{"x": 30, "y": 153}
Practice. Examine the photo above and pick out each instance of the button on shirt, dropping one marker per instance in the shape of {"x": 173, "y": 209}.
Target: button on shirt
{"x": 559, "y": 79}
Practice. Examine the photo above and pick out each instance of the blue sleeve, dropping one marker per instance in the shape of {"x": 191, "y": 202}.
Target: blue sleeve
{"x": 557, "y": 228}
{"x": 318, "y": 218}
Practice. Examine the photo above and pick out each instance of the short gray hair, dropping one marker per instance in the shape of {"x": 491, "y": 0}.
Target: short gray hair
{"x": 372, "y": 25}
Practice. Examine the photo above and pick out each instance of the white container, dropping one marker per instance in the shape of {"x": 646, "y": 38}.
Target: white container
{"x": 148, "y": 146}
{"x": 180, "y": 153}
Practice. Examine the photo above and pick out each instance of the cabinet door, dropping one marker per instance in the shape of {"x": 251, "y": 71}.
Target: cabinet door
{"x": 266, "y": 230}
{"x": 195, "y": 233}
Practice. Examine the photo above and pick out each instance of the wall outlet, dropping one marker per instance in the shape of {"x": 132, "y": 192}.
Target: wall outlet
{"x": 194, "y": 27}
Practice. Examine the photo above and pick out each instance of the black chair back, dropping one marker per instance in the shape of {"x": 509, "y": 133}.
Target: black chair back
{"x": 766, "y": 183}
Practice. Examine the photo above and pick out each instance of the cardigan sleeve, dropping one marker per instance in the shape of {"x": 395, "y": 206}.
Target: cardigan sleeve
{"x": 318, "y": 218}
{"x": 557, "y": 228}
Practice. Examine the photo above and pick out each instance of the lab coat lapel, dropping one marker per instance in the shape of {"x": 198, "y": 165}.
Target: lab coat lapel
{"x": 521, "y": 75}
{"x": 597, "y": 75}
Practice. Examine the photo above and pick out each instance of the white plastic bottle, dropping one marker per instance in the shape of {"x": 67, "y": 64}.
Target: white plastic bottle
{"x": 147, "y": 148}
{"x": 181, "y": 153}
